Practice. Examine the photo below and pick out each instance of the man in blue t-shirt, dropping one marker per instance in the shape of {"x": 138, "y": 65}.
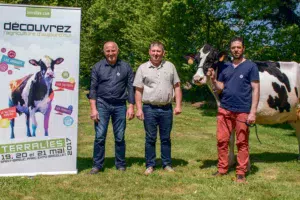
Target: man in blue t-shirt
{"x": 238, "y": 85}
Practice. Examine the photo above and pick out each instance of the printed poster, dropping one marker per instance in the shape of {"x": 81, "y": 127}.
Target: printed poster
{"x": 39, "y": 77}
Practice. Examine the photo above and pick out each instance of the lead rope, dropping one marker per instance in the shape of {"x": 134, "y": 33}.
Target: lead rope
{"x": 251, "y": 125}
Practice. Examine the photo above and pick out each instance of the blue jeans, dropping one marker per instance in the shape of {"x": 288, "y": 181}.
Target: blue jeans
{"x": 161, "y": 117}
{"x": 117, "y": 112}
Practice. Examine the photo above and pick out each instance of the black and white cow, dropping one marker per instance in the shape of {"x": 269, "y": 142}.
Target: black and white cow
{"x": 33, "y": 93}
{"x": 279, "y": 87}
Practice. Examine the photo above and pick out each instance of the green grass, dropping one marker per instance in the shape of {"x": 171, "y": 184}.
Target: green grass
{"x": 275, "y": 173}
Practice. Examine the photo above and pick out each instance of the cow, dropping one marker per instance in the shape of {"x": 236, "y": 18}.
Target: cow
{"x": 279, "y": 87}
{"x": 33, "y": 93}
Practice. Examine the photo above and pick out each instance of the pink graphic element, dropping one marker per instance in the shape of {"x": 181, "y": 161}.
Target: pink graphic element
{"x": 3, "y": 50}
{"x": 65, "y": 85}
{"x": 63, "y": 110}
{"x": 58, "y": 90}
{"x": 11, "y": 54}
{"x": 3, "y": 67}
{"x": 8, "y": 113}
{"x": 10, "y": 72}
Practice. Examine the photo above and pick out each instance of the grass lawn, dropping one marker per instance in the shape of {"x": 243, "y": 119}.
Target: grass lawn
{"x": 275, "y": 173}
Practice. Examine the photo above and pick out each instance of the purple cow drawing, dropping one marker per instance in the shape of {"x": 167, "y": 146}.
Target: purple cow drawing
{"x": 33, "y": 93}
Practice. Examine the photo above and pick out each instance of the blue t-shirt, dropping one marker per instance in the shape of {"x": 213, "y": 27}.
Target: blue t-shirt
{"x": 237, "y": 93}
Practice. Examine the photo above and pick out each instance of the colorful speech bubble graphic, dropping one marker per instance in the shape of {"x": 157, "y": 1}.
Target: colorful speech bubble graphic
{"x": 11, "y": 54}
{"x": 68, "y": 121}
{"x": 3, "y": 67}
{"x": 65, "y": 74}
{"x": 4, "y": 123}
{"x": 62, "y": 109}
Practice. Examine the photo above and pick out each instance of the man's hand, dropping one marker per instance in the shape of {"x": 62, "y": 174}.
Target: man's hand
{"x": 140, "y": 114}
{"x": 177, "y": 110}
{"x": 211, "y": 73}
{"x": 130, "y": 113}
{"x": 251, "y": 118}
{"x": 94, "y": 115}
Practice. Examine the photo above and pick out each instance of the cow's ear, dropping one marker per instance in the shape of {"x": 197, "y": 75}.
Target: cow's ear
{"x": 190, "y": 59}
{"x": 33, "y": 62}
{"x": 222, "y": 56}
{"x": 58, "y": 61}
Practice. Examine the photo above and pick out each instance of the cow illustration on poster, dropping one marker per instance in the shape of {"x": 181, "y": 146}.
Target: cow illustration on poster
{"x": 33, "y": 93}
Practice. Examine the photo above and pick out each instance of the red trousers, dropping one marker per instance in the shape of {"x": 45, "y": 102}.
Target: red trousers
{"x": 226, "y": 122}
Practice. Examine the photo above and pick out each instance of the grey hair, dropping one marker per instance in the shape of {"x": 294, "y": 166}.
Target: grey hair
{"x": 159, "y": 44}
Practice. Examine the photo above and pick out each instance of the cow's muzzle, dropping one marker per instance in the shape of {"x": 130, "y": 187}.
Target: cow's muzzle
{"x": 198, "y": 80}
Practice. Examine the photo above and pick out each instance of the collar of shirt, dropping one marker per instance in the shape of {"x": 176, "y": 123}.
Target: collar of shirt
{"x": 150, "y": 65}
{"x": 109, "y": 65}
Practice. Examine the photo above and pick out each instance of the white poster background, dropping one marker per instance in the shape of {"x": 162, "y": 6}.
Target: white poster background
{"x": 26, "y": 47}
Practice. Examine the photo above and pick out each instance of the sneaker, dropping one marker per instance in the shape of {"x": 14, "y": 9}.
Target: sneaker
{"x": 240, "y": 178}
{"x": 122, "y": 169}
{"x": 169, "y": 169}
{"x": 218, "y": 174}
{"x": 95, "y": 170}
{"x": 149, "y": 171}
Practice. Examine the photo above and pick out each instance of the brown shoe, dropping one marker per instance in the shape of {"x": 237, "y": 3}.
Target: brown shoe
{"x": 149, "y": 171}
{"x": 95, "y": 170}
{"x": 218, "y": 174}
{"x": 240, "y": 178}
{"x": 169, "y": 169}
{"x": 122, "y": 169}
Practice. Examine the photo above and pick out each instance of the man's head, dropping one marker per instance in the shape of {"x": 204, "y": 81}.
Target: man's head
{"x": 156, "y": 52}
{"x": 111, "y": 51}
{"x": 237, "y": 47}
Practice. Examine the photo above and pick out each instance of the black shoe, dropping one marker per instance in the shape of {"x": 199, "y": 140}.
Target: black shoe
{"x": 95, "y": 170}
{"x": 122, "y": 169}
{"x": 217, "y": 174}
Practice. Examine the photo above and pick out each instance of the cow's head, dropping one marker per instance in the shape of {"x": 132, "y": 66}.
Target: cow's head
{"x": 47, "y": 66}
{"x": 207, "y": 57}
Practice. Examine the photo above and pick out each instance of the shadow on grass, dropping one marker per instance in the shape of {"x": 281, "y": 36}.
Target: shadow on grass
{"x": 268, "y": 157}
{"x": 265, "y": 157}
{"x": 285, "y": 126}
{"x": 84, "y": 163}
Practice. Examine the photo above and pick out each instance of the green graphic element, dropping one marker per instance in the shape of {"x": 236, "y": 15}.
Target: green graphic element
{"x": 32, "y": 146}
{"x": 38, "y": 12}
{"x": 65, "y": 74}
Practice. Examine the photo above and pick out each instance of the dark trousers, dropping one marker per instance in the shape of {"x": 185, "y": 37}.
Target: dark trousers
{"x": 158, "y": 117}
{"x": 117, "y": 112}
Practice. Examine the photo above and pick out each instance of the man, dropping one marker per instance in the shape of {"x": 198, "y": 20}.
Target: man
{"x": 238, "y": 85}
{"x": 155, "y": 82}
{"x": 111, "y": 86}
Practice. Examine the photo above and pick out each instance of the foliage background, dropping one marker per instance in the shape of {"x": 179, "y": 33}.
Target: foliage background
{"x": 270, "y": 28}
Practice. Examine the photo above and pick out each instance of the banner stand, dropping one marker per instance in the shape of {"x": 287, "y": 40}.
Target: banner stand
{"x": 39, "y": 79}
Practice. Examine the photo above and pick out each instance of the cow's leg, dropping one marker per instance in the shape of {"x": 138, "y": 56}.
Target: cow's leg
{"x": 46, "y": 119}
{"x": 33, "y": 121}
{"x": 296, "y": 126}
{"x": 231, "y": 157}
{"x": 12, "y": 121}
{"x": 12, "y": 125}
{"x": 28, "y": 125}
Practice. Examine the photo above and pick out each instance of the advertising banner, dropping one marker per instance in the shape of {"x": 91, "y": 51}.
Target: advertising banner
{"x": 39, "y": 74}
